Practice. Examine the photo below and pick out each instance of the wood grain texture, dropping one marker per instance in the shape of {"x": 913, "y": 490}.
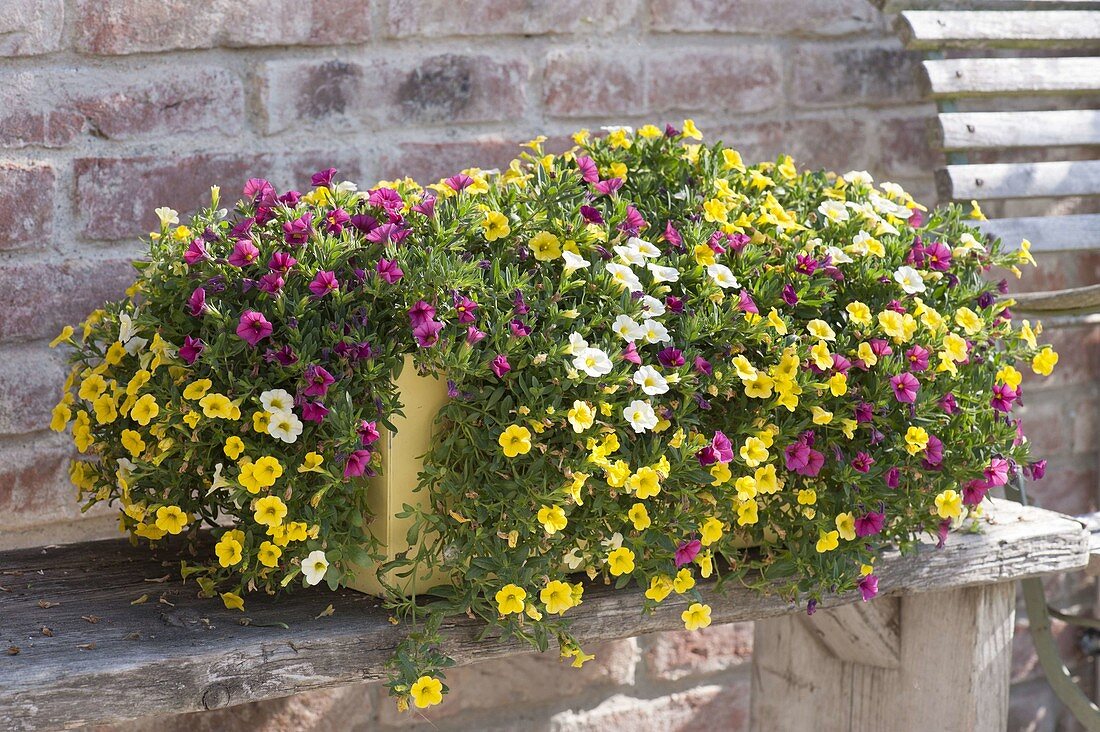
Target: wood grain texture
{"x": 865, "y": 632}
{"x": 185, "y": 653}
{"x": 1019, "y": 180}
{"x": 970, "y": 77}
{"x": 896, "y": 6}
{"x": 1047, "y": 233}
{"x": 1077, "y": 299}
{"x": 1003, "y": 130}
{"x": 936, "y": 29}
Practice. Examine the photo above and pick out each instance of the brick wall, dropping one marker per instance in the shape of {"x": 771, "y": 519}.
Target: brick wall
{"x": 109, "y": 108}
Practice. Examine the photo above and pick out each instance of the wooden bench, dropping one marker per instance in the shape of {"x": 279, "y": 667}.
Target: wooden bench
{"x": 100, "y": 632}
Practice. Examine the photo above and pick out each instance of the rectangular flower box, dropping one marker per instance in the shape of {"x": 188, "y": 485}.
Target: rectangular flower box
{"x": 402, "y": 459}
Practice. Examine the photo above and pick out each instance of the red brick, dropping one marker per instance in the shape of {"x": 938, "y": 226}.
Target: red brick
{"x": 349, "y": 166}
{"x": 429, "y": 161}
{"x": 134, "y": 26}
{"x": 1078, "y": 359}
{"x": 724, "y": 707}
{"x": 834, "y": 143}
{"x": 37, "y": 298}
{"x": 116, "y": 196}
{"x": 904, "y": 146}
{"x": 740, "y": 79}
{"x": 31, "y": 27}
{"x": 1069, "y": 485}
{"x": 1060, "y": 422}
{"x": 584, "y": 83}
{"x": 675, "y": 655}
{"x": 435, "y": 18}
{"x": 1056, "y": 271}
{"x": 55, "y": 108}
{"x": 26, "y": 204}
{"x": 34, "y": 480}
{"x": 769, "y": 17}
{"x": 830, "y": 76}
{"x": 30, "y": 385}
{"x": 444, "y": 88}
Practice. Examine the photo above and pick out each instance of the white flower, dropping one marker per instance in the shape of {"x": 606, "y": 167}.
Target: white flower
{"x": 886, "y": 206}
{"x": 574, "y": 559}
{"x": 127, "y": 335}
{"x": 643, "y": 247}
{"x": 277, "y": 401}
{"x": 577, "y": 343}
{"x": 624, "y": 276}
{"x": 663, "y": 274}
{"x": 652, "y": 307}
{"x": 613, "y": 542}
{"x": 910, "y": 280}
{"x": 640, "y": 415}
{"x": 573, "y": 262}
{"x": 615, "y": 128}
{"x": 894, "y": 190}
{"x": 858, "y": 176}
{"x": 626, "y": 328}
{"x": 722, "y": 276}
{"x": 655, "y": 332}
{"x": 345, "y": 186}
{"x": 967, "y": 243}
{"x": 650, "y": 380}
{"x": 284, "y": 426}
{"x": 123, "y": 472}
{"x": 593, "y": 362}
{"x": 218, "y": 481}
{"x": 837, "y": 255}
{"x": 314, "y": 567}
{"x": 630, "y": 255}
{"x": 167, "y": 216}
{"x": 835, "y": 211}
{"x": 860, "y": 243}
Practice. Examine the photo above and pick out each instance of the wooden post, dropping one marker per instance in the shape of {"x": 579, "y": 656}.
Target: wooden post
{"x": 835, "y": 672}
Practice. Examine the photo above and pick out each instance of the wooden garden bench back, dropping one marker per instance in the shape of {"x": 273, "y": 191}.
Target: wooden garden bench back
{"x": 1066, "y": 34}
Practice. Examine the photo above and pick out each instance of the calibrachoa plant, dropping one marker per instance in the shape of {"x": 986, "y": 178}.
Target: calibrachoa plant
{"x": 656, "y": 356}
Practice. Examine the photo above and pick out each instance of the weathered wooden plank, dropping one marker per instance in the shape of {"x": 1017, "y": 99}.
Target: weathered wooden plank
{"x": 868, "y": 632}
{"x": 1019, "y": 180}
{"x": 1047, "y": 233}
{"x": 956, "y": 654}
{"x": 185, "y": 654}
{"x": 971, "y": 77}
{"x": 895, "y": 6}
{"x": 936, "y": 29}
{"x": 1000, "y": 130}
{"x": 1077, "y": 299}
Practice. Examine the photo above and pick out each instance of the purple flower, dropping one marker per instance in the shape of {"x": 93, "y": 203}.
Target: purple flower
{"x": 745, "y": 303}
{"x": 865, "y": 412}
{"x": 933, "y": 453}
{"x": 500, "y": 365}
{"x": 998, "y": 471}
{"x": 272, "y": 283}
{"x": 672, "y": 236}
{"x": 324, "y": 282}
{"x": 862, "y": 462}
{"x": 1036, "y": 470}
{"x": 356, "y": 463}
{"x": 420, "y": 312}
{"x": 318, "y": 380}
{"x": 519, "y": 328}
{"x": 459, "y": 182}
{"x": 253, "y": 327}
{"x": 804, "y": 460}
{"x": 297, "y": 232}
{"x": 281, "y": 262}
{"x": 336, "y": 220}
{"x": 389, "y": 271}
{"x": 1003, "y": 397}
{"x": 244, "y": 252}
{"x": 880, "y": 347}
{"x": 191, "y": 349}
{"x": 519, "y": 305}
{"x": 868, "y": 586}
{"x": 870, "y": 523}
{"x": 806, "y": 264}
{"x": 609, "y": 186}
{"x": 723, "y": 448}
{"x": 893, "y": 478}
{"x": 916, "y": 218}
{"x": 707, "y": 456}
{"x": 702, "y": 365}
{"x": 974, "y": 492}
{"x": 905, "y": 387}
{"x": 386, "y": 198}
{"x": 633, "y": 223}
{"x": 811, "y": 607}
{"x": 465, "y": 308}
{"x": 195, "y": 253}
{"x": 630, "y": 354}
{"x": 323, "y": 178}
{"x": 314, "y": 412}
{"x": 591, "y": 214}
{"x": 363, "y": 223}
{"x": 674, "y": 304}
{"x": 948, "y": 404}
{"x": 285, "y": 356}
{"x": 918, "y": 358}
{"x": 426, "y": 333}
{"x": 937, "y": 256}
{"x": 789, "y": 295}
{"x": 587, "y": 168}
{"x": 671, "y": 358}
{"x": 426, "y": 206}
{"x": 687, "y": 551}
{"x": 196, "y": 304}
{"x": 368, "y": 433}
{"x": 473, "y": 335}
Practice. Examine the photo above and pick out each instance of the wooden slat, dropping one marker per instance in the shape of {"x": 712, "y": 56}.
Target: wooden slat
{"x": 1078, "y": 300}
{"x": 1048, "y": 233}
{"x": 998, "y": 130}
{"x": 930, "y": 29}
{"x": 191, "y": 654}
{"x": 1019, "y": 180}
{"x": 866, "y": 633}
{"x": 895, "y": 6}
{"x": 968, "y": 77}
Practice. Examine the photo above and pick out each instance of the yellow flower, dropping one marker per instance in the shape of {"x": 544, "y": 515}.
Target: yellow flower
{"x": 510, "y": 599}
{"x": 1027, "y": 335}
{"x": 760, "y": 387}
{"x": 807, "y": 497}
{"x": 754, "y": 452}
{"x": 859, "y": 313}
{"x": 233, "y": 601}
{"x": 916, "y": 440}
{"x": 311, "y": 463}
{"x": 821, "y": 356}
{"x": 893, "y": 324}
{"x": 721, "y": 473}
{"x": 270, "y": 511}
{"x": 82, "y": 431}
{"x": 714, "y": 210}
{"x": 620, "y": 561}
{"x": 133, "y": 443}
{"x": 495, "y": 226}
{"x": 691, "y": 131}
{"x": 970, "y": 321}
{"x": 827, "y": 541}
{"x": 660, "y": 587}
{"x": 65, "y": 334}
{"x": 197, "y": 389}
{"x": 776, "y": 322}
{"x": 426, "y": 692}
{"x": 866, "y": 354}
{"x": 114, "y": 354}
{"x": 820, "y": 329}
{"x": 515, "y": 441}
{"x": 228, "y": 551}
{"x": 731, "y": 160}
{"x": 552, "y": 519}
{"x": 557, "y": 596}
{"x": 144, "y": 410}
{"x": 60, "y": 417}
{"x": 191, "y": 419}
{"x": 545, "y": 246}
{"x": 92, "y": 387}
{"x": 617, "y": 474}
{"x": 766, "y": 479}
{"x": 838, "y": 384}
{"x": 955, "y": 347}
{"x": 1044, "y": 361}
{"x": 269, "y": 554}
{"x": 233, "y": 447}
{"x": 821, "y": 416}
{"x": 581, "y": 416}
{"x": 745, "y": 487}
{"x": 172, "y": 519}
{"x": 216, "y": 406}
{"x": 1010, "y": 376}
{"x": 976, "y": 211}
{"x": 140, "y": 379}
{"x": 748, "y": 512}
{"x": 645, "y": 483}
{"x": 619, "y": 137}
{"x": 639, "y": 516}
{"x": 949, "y": 504}
{"x": 106, "y": 411}
{"x": 710, "y": 531}
{"x": 846, "y": 525}
{"x": 649, "y": 132}
{"x": 260, "y": 421}
{"x": 1024, "y": 255}
{"x": 696, "y": 617}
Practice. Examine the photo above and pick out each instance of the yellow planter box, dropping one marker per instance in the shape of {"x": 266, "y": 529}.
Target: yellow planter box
{"x": 402, "y": 454}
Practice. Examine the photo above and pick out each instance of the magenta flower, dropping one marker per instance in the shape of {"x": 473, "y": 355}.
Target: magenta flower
{"x": 389, "y": 271}
{"x": 865, "y": 412}
{"x": 1036, "y": 470}
{"x": 244, "y": 252}
{"x": 465, "y": 308}
{"x": 893, "y": 478}
{"x": 707, "y": 456}
{"x": 323, "y": 178}
{"x": 905, "y": 387}
{"x": 633, "y": 223}
{"x": 671, "y": 358}
{"x": 948, "y": 404}
{"x": 609, "y": 186}
{"x": 937, "y": 256}
{"x": 998, "y": 471}
{"x": 519, "y": 305}
{"x": 297, "y": 232}
{"x": 196, "y": 304}
{"x": 868, "y": 587}
{"x": 336, "y": 220}
{"x": 631, "y": 355}
{"x": 789, "y": 295}
{"x": 368, "y": 432}
{"x": 687, "y": 551}
{"x": 870, "y": 523}
{"x": 591, "y": 214}
{"x": 1003, "y": 397}
{"x": 746, "y": 304}
{"x": 191, "y": 349}
{"x": 917, "y": 356}
{"x": 459, "y": 182}
{"x": 314, "y": 412}
{"x": 426, "y": 206}
{"x": 420, "y": 312}
{"x": 519, "y": 329}
{"x": 272, "y": 283}
{"x": 473, "y": 335}
{"x": 916, "y": 218}
{"x": 862, "y": 462}
{"x": 672, "y": 236}
{"x": 281, "y": 262}
{"x": 500, "y": 365}
{"x": 674, "y": 304}
{"x": 426, "y": 334}
{"x": 324, "y": 283}
{"x": 587, "y": 168}
{"x": 974, "y": 492}
{"x": 196, "y": 252}
{"x": 702, "y": 366}
{"x": 933, "y": 453}
{"x": 386, "y": 198}
{"x": 723, "y": 448}
{"x": 357, "y": 463}
{"x": 802, "y": 459}
{"x": 259, "y": 189}
{"x": 285, "y": 356}
{"x": 318, "y": 380}
{"x": 253, "y": 327}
